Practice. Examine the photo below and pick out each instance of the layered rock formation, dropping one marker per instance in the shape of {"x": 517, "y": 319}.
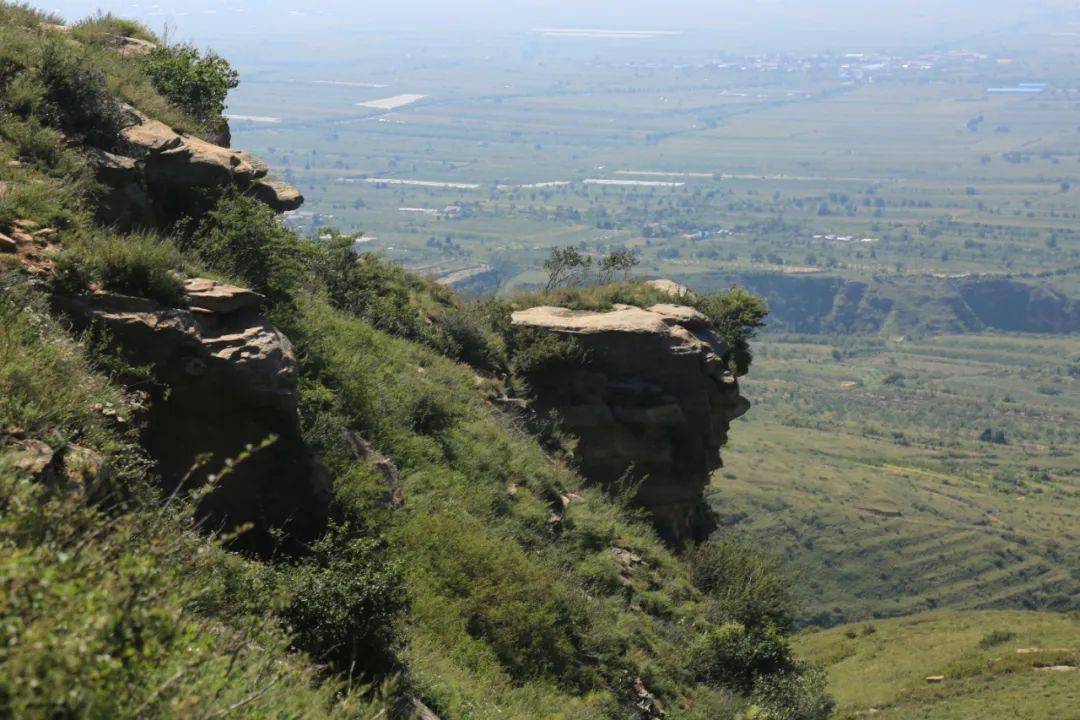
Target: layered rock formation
{"x": 224, "y": 379}
{"x": 652, "y": 404}
{"x": 159, "y": 175}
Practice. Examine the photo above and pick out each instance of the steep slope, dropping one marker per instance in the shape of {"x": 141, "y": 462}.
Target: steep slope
{"x": 405, "y": 529}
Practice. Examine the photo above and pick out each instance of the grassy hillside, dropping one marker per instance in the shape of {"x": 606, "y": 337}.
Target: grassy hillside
{"x": 879, "y": 669}
{"x": 497, "y": 586}
{"x": 862, "y": 462}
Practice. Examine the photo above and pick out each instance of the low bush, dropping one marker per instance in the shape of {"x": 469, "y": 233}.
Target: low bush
{"x": 343, "y": 600}
{"x": 736, "y": 315}
{"x": 534, "y": 351}
{"x": 243, "y": 239}
{"x": 107, "y": 24}
{"x": 744, "y": 584}
{"x": 996, "y": 637}
{"x": 47, "y": 388}
{"x": 76, "y": 97}
{"x": 792, "y": 695}
{"x": 499, "y": 597}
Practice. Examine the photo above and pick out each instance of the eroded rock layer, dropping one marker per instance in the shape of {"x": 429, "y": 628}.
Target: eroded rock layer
{"x": 651, "y": 405}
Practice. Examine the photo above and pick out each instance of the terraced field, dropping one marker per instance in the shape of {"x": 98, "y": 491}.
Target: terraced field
{"x": 863, "y": 466}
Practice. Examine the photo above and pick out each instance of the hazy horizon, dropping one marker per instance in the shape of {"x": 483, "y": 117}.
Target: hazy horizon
{"x": 766, "y": 25}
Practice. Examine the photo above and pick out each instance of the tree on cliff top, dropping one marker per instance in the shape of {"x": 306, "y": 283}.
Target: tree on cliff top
{"x": 198, "y": 83}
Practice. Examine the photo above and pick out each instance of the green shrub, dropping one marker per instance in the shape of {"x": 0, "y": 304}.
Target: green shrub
{"x": 197, "y": 83}
{"x": 534, "y": 351}
{"x": 595, "y": 297}
{"x": 996, "y": 637}
{"x": 403, "y": 304}
{"x": 343, "y": 601}
{"x": 109, "y": 25}
{"x": 76, "y": 97}
{"x": 736, "y": 316}
{"x": 463, "y": 337}
{"x": 140, "y": 264}
{"x": 524, "y": 616}
{"x": 22, "y": 15}
{"x": 47, "y": 151}
{"x": 743, "y": 583}
{"x": 46, "y": 384}
{"x": 732, "y": 656}
{"x": 367, "y": 288}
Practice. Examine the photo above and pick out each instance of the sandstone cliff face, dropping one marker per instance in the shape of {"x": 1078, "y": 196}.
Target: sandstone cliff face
{"x": 224, "y": 379}
{"x": 652, "y": 404}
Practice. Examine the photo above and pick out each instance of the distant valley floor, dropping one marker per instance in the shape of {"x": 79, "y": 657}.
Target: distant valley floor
{"x": 899, "y": 477}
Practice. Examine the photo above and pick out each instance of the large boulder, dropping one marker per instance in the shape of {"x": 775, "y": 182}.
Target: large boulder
{"x": 650, "y": 406}
{"x": 224, "y": 380}
{"x": 163, "y": 174}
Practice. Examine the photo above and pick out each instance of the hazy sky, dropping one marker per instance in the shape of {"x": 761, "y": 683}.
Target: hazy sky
{"x": 769, "y": 21}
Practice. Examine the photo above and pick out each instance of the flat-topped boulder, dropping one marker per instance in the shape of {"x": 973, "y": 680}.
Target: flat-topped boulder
{"x": 133, "y": 47}
{"x": 146, "y": 135}
{"x": 680, "y": 315}
{"x": 281, "y": 196}
{"x": 651, "y": 405}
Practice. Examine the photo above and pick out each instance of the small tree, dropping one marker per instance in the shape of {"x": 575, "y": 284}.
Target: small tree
{"x": 565, "y": 266}
{"x": 736, "y": 316}
{"x": 617, "y": 261}
{"x": 196, "y": 83}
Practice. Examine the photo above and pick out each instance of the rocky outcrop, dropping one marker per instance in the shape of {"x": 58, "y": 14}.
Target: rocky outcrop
{"x": 652, "y": 404}
{"x": 224, "y": 380}
{"x": 158, "y": 175}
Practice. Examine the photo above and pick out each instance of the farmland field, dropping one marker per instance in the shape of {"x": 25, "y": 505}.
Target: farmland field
{"x": 903, "y": 166}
